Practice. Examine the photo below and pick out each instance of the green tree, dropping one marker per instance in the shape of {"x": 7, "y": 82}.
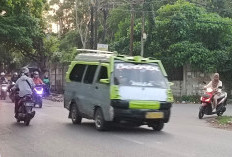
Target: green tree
{"x": 22, "y": 29}
{"x": 187, "y": 34}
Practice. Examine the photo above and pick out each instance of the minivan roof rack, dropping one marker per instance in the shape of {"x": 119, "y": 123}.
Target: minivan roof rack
{"x": 96, "y": 51}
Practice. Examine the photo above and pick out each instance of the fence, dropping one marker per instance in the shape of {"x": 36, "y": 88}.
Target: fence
{"x": 57, "y": 77}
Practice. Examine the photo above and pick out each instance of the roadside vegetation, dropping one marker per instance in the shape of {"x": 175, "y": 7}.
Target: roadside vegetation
{"x": 224, "y": 120}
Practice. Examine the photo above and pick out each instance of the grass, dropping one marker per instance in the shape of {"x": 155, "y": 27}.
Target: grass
{"x": 224, "y": 120}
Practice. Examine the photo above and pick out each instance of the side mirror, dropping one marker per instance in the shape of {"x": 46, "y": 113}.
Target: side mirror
{"x": 105, "y": 81}
{"x": 171, "y": 83}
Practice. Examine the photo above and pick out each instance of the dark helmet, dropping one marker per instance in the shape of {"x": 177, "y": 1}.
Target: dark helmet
{"x": 15, "y": 74}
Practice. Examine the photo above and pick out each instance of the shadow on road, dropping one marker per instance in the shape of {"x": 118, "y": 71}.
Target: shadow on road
{"x": 119, "y": 129}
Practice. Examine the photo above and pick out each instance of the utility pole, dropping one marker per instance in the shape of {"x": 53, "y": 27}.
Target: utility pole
{"x": 142, "y": 32}
{"x": 132, "y": 28}
{"x": 91, "y": 27}
{"x": 96, "y": 25}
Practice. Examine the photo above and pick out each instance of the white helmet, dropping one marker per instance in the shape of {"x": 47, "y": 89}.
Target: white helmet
{"x": 25, "y": 70}
{"x": 36, "y": 73}
{"x": 2, "y": 74}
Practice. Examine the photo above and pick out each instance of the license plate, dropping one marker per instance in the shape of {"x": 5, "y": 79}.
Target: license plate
{"x": 29, "y": 104}
{"x": 154, "y": 115}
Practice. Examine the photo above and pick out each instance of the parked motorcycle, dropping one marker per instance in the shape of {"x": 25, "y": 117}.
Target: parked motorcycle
{"x": 25, "y": 112}
{"x": 207, "y": 101}
{"x": 38, "y": 92}
{"x": 4, "y": 87}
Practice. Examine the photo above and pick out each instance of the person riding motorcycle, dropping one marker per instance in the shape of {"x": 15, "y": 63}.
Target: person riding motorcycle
{"x": 25, "y": 85}
{"x": 13, "y": 80}
{"x": 215, "y": 84}
{"x": 36, "y": 79}
{"x": 47, "y": 83}
{"x": 3, "y": 78}
{"x": 15, "y": 77}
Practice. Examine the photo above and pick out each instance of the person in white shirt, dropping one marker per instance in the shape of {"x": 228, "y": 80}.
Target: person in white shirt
{"x": 215, "y": 84}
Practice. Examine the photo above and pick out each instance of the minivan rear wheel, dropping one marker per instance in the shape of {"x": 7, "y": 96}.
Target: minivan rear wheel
{"x": 76, "y": 118}
{"x": 100, "y": 122}
{"x": 157, "y": 126}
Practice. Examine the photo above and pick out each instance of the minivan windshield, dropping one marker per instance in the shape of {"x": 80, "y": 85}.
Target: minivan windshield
{"x": 133, "y": 74}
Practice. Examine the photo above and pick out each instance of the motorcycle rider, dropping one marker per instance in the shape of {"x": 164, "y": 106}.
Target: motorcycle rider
{"x": 15, "y": 77}
{"x": 47, "y": 83}
{"x": 3, "y": 78}
{"x": 36, "y": 79}
{"x": 25, "y": 85}
{"x": 215, "y": 84}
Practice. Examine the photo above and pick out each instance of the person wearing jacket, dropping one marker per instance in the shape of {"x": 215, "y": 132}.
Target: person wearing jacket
{"x": 15, "y": 77}
{"x": 25, "y": 85}
{"x": 36, "y": 79}
{"x": 3, "y": 78}
{"x": 47, "y": 83}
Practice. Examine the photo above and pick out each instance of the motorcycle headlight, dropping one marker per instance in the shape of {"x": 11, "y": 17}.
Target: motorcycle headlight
{"x": 39, "y": 91}
{"x": 4, "y": 88}
{"x": 207, "y": 100}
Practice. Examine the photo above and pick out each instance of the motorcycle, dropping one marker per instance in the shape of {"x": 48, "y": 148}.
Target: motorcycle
{"x": 207, "y": 101}
{"x": 38, "y": 92}
{"x": 12, "y": 92}
{"x": 4, "y": 87}
{"x": 25, "y": 112}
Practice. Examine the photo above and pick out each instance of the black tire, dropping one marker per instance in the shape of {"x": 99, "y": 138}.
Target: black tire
{"x": 76, "y": 118}
{"x": 40, "y": 105}
{"x": 157, "y": 126}
{"x": 18, "y": 121}
{"x": 220, "y": 113}
{"x": 100, "y": 122}
{"x": 201, "y": 112}
{"x": 27, "y": 122}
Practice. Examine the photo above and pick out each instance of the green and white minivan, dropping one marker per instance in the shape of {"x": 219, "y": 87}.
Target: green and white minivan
{"x": 109, "y": 88}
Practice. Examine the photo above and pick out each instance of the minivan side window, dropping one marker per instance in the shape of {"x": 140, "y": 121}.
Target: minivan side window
{"x": 89, "y": 76}
{"x": 103, "y": 73}
{"x": 77, "y": 72}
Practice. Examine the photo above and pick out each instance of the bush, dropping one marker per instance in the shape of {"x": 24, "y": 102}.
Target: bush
{"x": 188, "y": 98}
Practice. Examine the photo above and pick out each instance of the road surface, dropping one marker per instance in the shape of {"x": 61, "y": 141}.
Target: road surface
{"x": 51, "y": 134}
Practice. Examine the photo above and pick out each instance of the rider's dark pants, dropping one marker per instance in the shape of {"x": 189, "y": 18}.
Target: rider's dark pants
{"x": 17, "y": 105}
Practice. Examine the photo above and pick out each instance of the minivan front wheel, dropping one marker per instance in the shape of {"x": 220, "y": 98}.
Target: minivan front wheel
{"x": 157, "y": 126}
{"x": 76, "y": 118}
{"x": 100, "y": 122}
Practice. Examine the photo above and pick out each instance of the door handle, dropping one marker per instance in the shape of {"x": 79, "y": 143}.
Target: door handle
{"x": 96, "y": 87}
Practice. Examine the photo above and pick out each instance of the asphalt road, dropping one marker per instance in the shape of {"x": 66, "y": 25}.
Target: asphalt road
{"x": 51, "y": 134}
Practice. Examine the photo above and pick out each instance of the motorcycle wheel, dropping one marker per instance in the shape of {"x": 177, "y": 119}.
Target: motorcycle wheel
{"x": 40, "y": 105}
{"x": 201, "y": 112}
{"x": 27, "y": 122}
